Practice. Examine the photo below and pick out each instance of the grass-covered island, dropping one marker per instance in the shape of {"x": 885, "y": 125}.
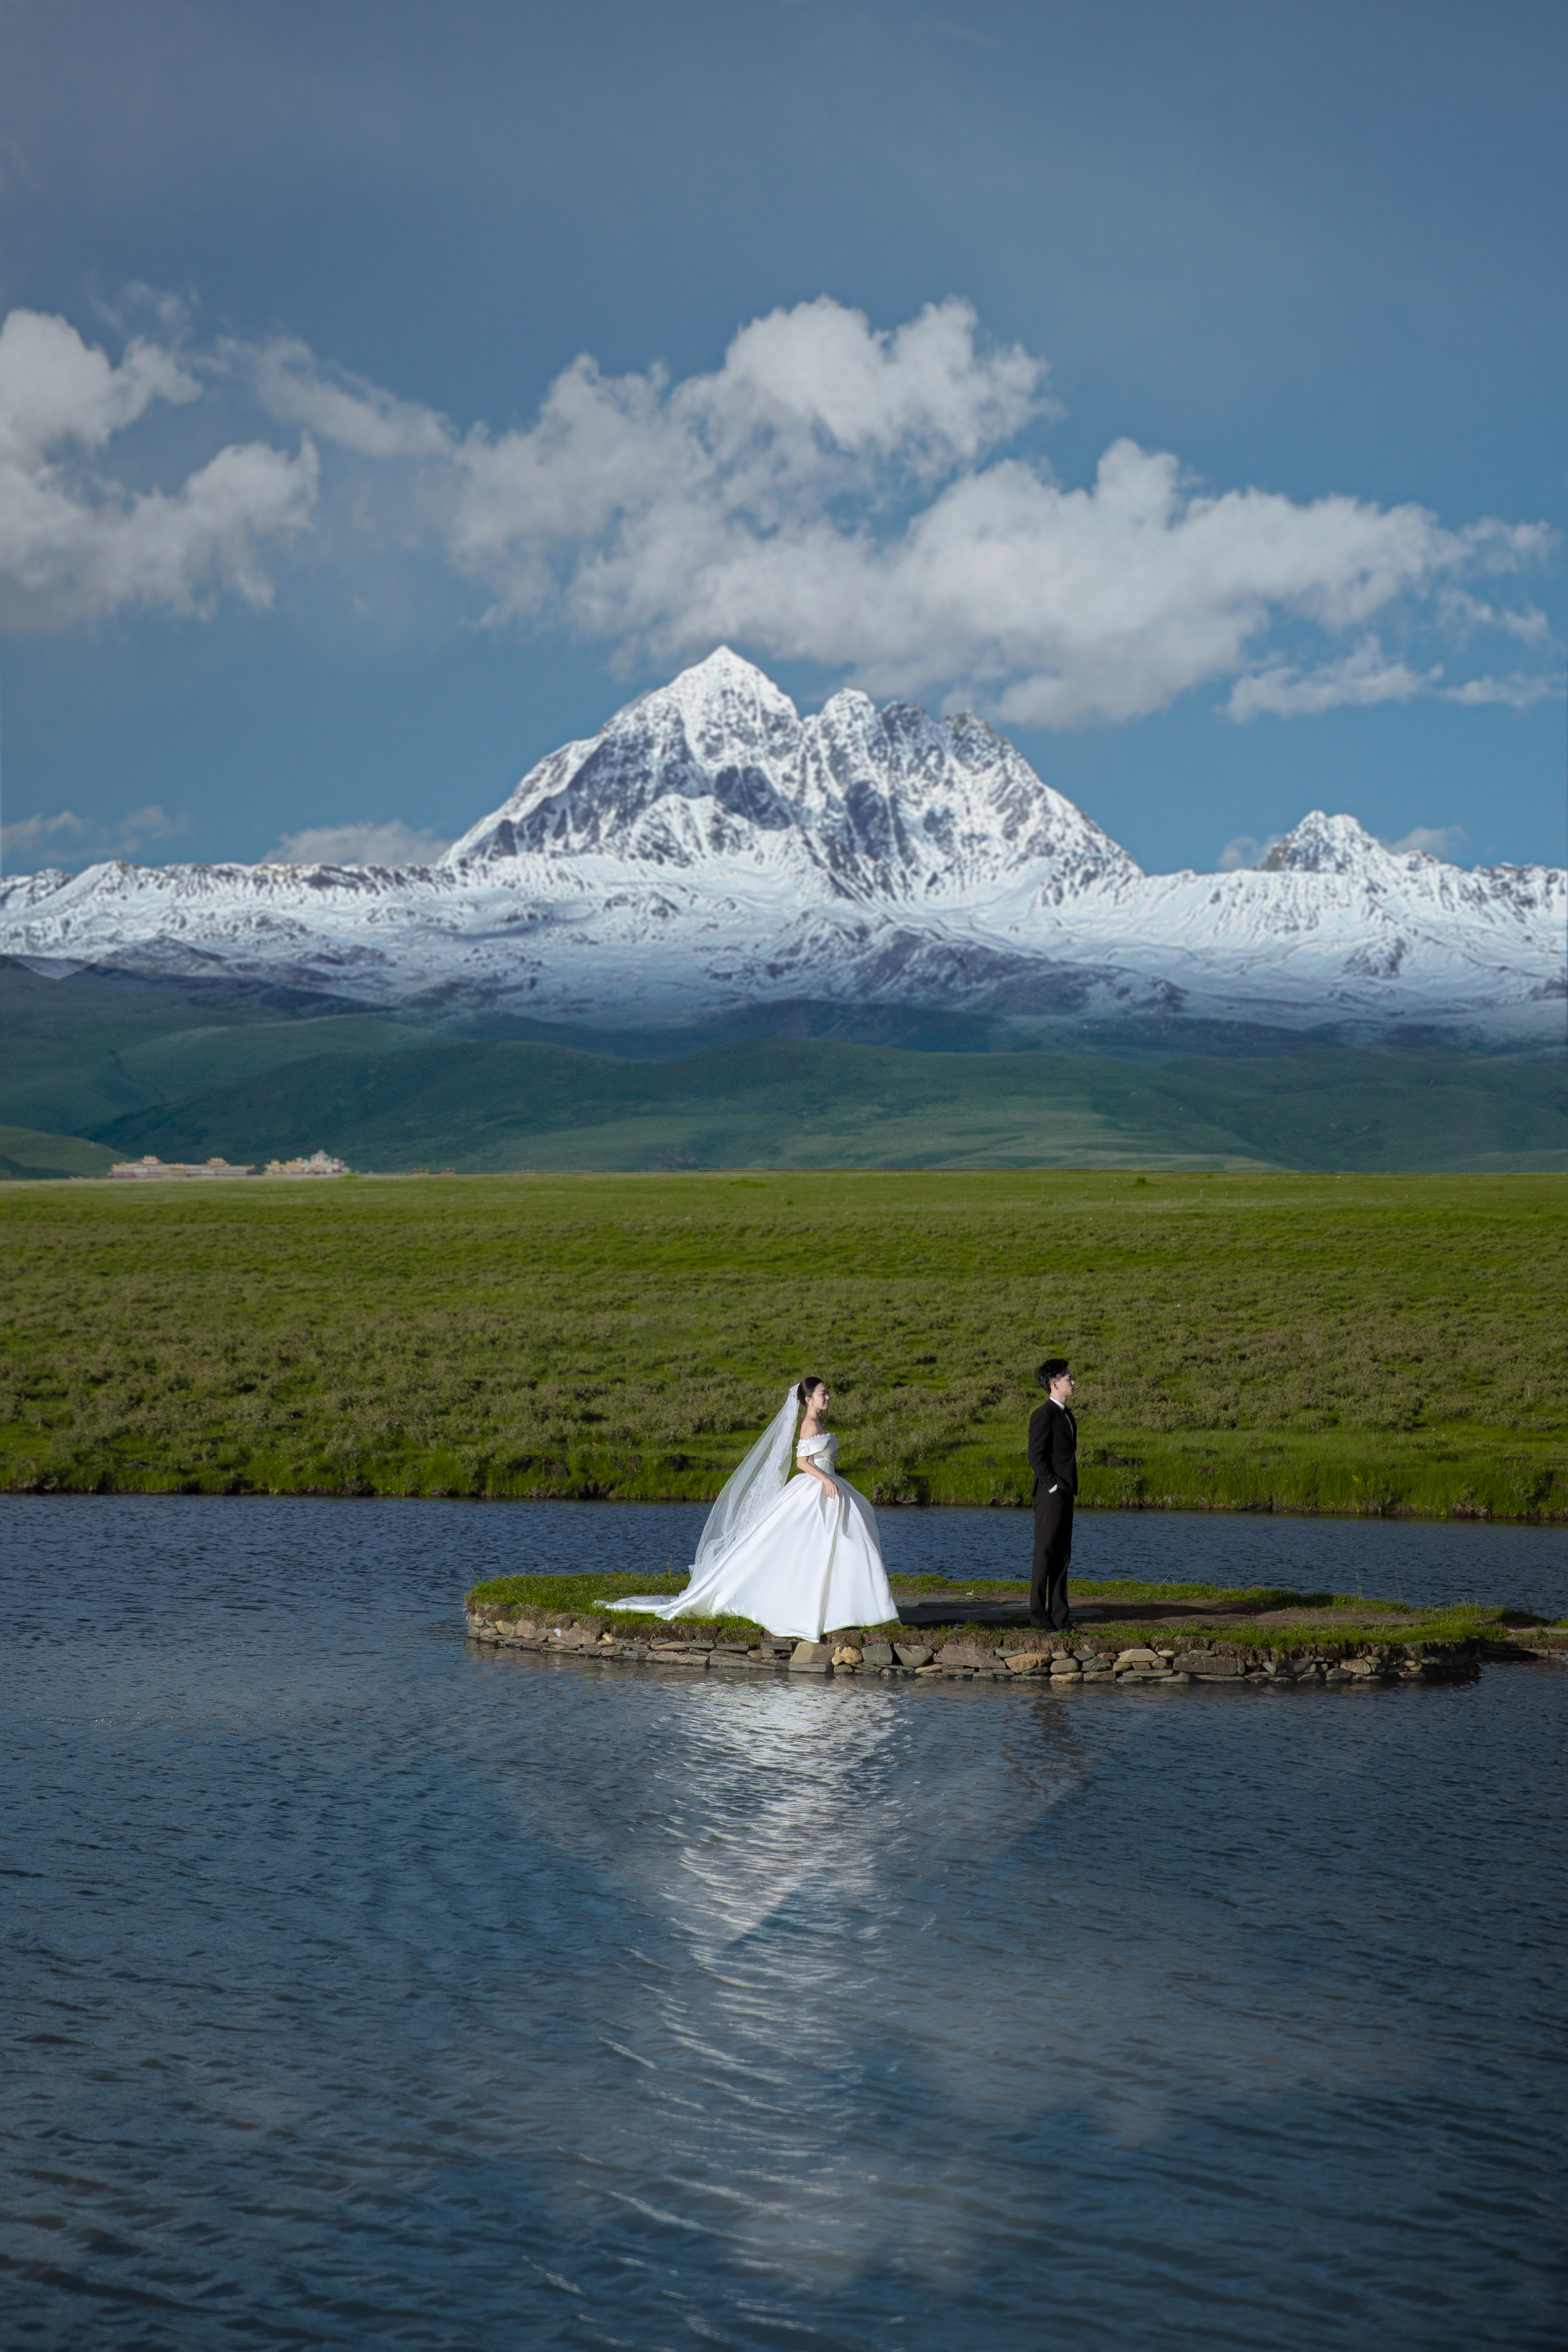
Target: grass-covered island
{"x": 1368, "y": 1344}
{"x": 1126, "y": 1632}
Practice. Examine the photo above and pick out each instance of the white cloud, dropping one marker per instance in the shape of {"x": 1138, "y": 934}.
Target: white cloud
{"x": 1519, "y": 691}
{"x": 1242, "y": 851}
{"x": 134, "y": 831}
{"x": 393, "y": 844}
{"x": 75, "y": 545}
{"x": 1368, "y": 676}
{"x": 675, "y": 516}
{"x": 1432, "y": 841}
{"x": 1359, "y": 679}
{"x": 295, "y": 389}
{"x": 1525, "y": 621}
{"x": 29, "y": 835}
{"x": 88, "y": 840}
{"x": 830, "y": 493}
{"x": 833, "y": 495}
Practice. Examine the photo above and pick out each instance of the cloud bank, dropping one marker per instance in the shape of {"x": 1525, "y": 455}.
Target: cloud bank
{"x": 390, "y": 843}
{"x": 74, "y": 544}
{"x": 830, "y": 493}
{"x": 86, "y": 841}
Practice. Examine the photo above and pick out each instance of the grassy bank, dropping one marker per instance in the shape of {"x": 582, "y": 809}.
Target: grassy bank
{"x": 1341, "y": 1623}
{"x": 1245, "y": 1342}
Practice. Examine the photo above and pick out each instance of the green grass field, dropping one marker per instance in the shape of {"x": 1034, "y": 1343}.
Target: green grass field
{"x": 1352, "y": 1343}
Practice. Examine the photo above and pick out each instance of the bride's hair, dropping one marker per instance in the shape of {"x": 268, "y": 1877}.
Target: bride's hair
{"x": 802, "y": 1393}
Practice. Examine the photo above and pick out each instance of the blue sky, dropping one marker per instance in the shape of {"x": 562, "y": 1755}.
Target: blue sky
{"x": 1183, "y": 387}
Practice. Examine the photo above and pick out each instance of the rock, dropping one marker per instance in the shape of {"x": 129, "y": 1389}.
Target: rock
{"x": 878, "y": 1654}
{"x": 1130, "y": 1658}
{"x": 811, "y": 1658}
{"x": 1209, "y": 1663}
{"x": 912, "y": 1654}
{"x": 1065, "y": 1669}
{"x": 966, "y": 1654}
{"x": 846, "y": 1655}
{"x": 1148, "y": 1675}
{"x": 1026, "y": 1662}
{"x": 930, "y": 1670}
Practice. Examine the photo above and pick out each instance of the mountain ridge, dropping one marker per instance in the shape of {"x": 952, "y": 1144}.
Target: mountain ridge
{"x": 710, "y": 849}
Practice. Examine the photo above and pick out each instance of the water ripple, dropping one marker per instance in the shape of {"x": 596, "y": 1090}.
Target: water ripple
{"x": 366, "y": 1991}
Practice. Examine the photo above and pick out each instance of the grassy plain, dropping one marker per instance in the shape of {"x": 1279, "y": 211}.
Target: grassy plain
{"x": 1350, "y": 1343}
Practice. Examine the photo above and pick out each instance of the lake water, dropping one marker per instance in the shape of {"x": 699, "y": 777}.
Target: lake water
{"x": 367, "y": 1990}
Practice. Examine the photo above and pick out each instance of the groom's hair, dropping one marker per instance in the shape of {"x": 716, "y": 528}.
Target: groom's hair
{"x": 1051, "y": 1369}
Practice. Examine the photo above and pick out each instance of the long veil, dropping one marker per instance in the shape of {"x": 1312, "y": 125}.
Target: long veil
{"x": 750, "y": 1492}
{"x": 747, "y": 1497}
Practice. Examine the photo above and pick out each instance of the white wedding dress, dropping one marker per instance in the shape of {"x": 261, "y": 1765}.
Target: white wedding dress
{"x": 786, "y": 1552}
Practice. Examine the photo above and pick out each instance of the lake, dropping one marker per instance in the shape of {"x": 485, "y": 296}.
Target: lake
{"x": 365, "y": 1990}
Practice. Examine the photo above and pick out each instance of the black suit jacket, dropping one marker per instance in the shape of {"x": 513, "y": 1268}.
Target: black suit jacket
{"x": 1053, "y": 1447}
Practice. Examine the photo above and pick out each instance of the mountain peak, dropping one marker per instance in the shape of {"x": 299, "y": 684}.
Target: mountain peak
{"x": 1324, "y": 844}
{"x": 718, "y": 772}
{"x": 725, "y": 704}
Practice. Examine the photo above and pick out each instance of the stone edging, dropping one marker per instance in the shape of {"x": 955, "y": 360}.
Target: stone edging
{"x": 1063, "y": 1661}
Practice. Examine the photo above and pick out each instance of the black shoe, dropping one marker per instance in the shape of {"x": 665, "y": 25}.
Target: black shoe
{"x": 1043, "y": 1622}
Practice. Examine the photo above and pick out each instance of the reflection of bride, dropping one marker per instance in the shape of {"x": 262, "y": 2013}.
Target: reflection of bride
{"x": 796, "y": 1555}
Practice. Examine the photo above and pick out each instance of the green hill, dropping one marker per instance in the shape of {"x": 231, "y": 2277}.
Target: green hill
{"x": 189, "y": 1068}
{"x": 25, "y": 1152}
{"x": 486, "y": 1108}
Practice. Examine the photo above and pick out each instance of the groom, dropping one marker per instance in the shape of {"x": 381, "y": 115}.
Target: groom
{"x": 1053, "y": 1458}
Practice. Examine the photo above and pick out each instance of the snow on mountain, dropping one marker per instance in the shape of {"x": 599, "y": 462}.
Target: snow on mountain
{"x": 709, "y": 849}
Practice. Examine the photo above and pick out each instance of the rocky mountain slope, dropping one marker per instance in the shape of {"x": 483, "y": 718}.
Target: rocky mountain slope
{"x": 709, "y": 849}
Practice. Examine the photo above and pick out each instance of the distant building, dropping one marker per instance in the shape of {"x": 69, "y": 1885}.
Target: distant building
{"x": 141, "y": 1170}
{"x": 320, "y": 1163}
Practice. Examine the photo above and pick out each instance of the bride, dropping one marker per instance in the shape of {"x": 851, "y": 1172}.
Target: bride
{"x": 796, "y": 1555}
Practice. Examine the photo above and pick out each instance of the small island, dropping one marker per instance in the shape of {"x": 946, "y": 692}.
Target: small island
{"x": 1136, "y": 1634}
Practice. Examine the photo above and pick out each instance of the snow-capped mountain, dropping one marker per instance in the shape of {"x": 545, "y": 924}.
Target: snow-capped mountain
{"x": 711, "y": 849}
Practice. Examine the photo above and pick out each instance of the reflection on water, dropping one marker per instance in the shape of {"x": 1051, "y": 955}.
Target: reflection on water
{"x": 373, "y": 1989}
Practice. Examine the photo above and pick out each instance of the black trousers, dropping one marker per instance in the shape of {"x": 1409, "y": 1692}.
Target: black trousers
{"x": 1053, "y": 1550}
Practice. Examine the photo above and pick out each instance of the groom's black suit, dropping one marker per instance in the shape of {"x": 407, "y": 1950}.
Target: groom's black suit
{"x": 1053, "y": 1458}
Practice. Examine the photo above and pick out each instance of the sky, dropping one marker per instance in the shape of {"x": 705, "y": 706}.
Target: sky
{"x": 390, "y": 389}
